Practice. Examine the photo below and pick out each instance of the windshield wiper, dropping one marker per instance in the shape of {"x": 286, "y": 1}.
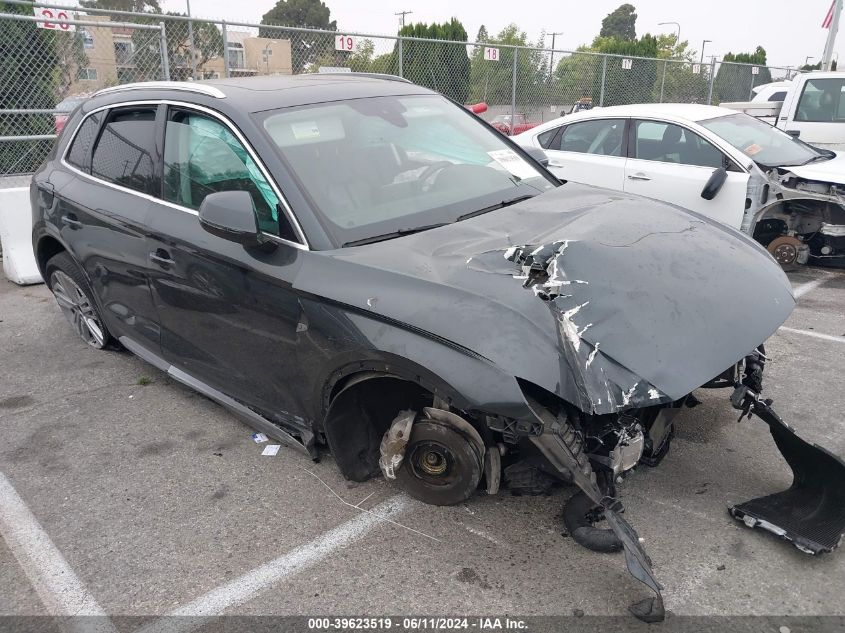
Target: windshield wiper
{"x": 393, "y": 234}
{"x": 493, "y": 207}
{"x": 819, "y": 157}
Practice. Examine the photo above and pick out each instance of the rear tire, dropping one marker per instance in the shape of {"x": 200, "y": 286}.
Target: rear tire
{"x": 76, "y": 300}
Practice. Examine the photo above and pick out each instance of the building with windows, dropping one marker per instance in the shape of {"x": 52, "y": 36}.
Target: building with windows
{"x": 248, "y": 55}
{"x": 114, "y": 56}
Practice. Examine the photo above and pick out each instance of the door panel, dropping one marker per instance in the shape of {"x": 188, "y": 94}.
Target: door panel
{"x": 229, "y": 313}
{"x": 590, "y": 152}
{"x": 105, "y": 226}
{"x": 672, "y": 164}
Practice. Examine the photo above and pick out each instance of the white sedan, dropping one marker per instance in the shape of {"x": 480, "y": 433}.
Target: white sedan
{"x": 721, "y": 163}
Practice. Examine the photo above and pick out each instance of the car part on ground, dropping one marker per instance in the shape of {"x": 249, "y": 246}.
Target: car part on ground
{"x": 811, "y": 513}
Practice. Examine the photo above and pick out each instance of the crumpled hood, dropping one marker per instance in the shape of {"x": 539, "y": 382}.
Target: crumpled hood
{"x": 651, "y": 301}
{"x": 832, "y": 170}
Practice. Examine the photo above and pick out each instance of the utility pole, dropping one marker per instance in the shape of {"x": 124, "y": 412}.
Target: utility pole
{"x": 552, "y": 58}
{"x": 403, "y": 14}
{"x": 832, "y": 28}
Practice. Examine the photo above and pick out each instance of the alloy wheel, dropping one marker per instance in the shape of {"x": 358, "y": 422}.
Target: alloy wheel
{"x": 77, "y": 309}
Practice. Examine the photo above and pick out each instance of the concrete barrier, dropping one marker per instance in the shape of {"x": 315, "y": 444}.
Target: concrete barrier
{"x": 16, "y": 237}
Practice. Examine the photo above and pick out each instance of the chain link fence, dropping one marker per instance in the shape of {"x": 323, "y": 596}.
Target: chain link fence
{"x": 53, "y": 56}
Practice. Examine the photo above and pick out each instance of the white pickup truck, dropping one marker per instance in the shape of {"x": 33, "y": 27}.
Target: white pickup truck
{"x": 813, "y": 109}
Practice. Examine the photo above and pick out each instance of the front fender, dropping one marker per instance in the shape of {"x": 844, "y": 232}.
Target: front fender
{"x": 367, "y": 343}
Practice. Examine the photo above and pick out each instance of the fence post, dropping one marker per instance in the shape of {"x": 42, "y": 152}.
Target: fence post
{"x": 165, "y": 60}
{"x": 603, "y": 75}
{"x": 513, "y": 92}
{"x": 712, "y": 79}
{"x": 663, "y": 81}
{"x": 225, "y": 35}
{"x": 753, "y": 81}
{"x": 401, "y": 69}
{"x": 191, "y": 44}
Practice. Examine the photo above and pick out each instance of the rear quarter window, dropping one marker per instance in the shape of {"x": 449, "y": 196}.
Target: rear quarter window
{"x": 80, "y": 149}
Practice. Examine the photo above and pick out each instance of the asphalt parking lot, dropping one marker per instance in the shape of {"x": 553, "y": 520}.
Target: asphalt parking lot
{"x": 125, "y": 493}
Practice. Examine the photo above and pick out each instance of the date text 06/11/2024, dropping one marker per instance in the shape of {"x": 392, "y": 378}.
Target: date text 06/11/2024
{"x": 416, "y": 623}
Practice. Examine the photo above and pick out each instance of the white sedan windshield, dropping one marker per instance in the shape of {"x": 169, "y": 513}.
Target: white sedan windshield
{"x": 761, "y": 142}
{"x": 387, "y": 164}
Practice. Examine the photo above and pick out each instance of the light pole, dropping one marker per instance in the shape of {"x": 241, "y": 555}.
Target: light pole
{"x": 191, "y": 43}
{"x": 552, "y": 57}
{"x": 678, "y": 36}
{"x": 703, "y": 44}
{"x": 807, "y": 60}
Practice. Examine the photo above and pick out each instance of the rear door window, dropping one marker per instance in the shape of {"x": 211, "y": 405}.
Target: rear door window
{"x": 602, "y": 136}
{"x": 123, "y": 154}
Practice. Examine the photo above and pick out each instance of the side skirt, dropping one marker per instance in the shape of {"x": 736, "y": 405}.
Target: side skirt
{"x": 247, "y": 415}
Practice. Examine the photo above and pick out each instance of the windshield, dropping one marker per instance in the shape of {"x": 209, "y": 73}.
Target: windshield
{"x": 761, "y": 142}
{"x": 385, "y": 165}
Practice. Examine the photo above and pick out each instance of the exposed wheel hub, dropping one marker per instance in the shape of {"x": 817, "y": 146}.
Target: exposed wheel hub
{"x": 442, "y": 465}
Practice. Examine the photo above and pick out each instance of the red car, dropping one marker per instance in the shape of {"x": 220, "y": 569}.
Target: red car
{"x": 503, "y": 123}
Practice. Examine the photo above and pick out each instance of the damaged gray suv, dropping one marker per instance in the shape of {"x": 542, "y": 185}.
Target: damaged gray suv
{"x": 356, "y": 264}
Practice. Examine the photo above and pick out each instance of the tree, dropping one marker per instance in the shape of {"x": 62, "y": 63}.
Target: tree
{"x": 138, "y": 6}
{"x": 620, "y": 23}
{"x": 817, "y": 66}
{"x": 492, "y": 81}
{"x": 437, "y": 65}
{"x": 676, "y": 82}
{"x": 736, "y": 76}
{"x": 208, "y": 43}
{"x": 29, "y": 67}
{"x": 309, "y": 14}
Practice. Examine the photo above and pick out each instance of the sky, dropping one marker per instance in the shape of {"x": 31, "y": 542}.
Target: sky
{"x": 789, "y": 31}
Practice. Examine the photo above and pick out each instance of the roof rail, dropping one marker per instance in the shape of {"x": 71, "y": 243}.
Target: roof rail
{"x": 383, "y": 76}
{"x": 187, "y": 86}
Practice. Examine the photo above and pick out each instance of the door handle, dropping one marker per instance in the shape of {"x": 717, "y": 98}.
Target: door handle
{"x": 71, "y": 221}
{"x": 555, "y": 164}
{"x": 638, "y": 177}
{"x": 161, "y": 257}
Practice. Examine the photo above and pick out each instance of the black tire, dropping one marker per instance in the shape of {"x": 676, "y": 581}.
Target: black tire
{"x": 577, "y": 517}
{"x": 460, "y": 462}
{"x": 76, "y": 300}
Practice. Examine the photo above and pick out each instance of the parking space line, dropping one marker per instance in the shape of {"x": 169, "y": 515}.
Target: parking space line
{"x": 824, "y": 337}
{"x": 249, "y": 585}
{"x": 59, "y": 588}
{"x": 800, "y": 291}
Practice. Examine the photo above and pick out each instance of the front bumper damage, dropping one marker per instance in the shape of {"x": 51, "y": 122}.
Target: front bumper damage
{"x": 810, "y": 514}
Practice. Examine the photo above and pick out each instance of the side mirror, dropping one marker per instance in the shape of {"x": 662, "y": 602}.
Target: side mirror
{"x": 230, "y": 215}
{"x": 537, "y": 154}
{"x": 714, "y": 183}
